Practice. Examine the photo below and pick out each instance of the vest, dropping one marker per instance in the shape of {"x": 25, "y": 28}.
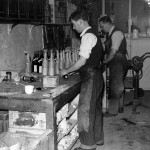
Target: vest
{"x": 96, "y": 52}
{"x": 108, "y": 43}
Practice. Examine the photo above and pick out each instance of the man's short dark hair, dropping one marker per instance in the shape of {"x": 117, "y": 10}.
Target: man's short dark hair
{"x": 105, "y": 19}
{"x": 79, "y": 14}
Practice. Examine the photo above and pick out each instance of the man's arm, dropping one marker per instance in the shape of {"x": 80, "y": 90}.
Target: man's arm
{"x": 88, "y": 41}
{"x": 117, "y": 38}
{"x": 110, "y": 56}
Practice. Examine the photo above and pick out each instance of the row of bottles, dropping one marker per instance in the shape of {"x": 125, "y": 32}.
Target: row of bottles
{"x": 51, "y": 62}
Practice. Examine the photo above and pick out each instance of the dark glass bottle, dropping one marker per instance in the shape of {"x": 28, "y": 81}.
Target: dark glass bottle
{"x": 35, "y": 65}
{"x": 40, "y": 61}
{"x": 28, "y": 79}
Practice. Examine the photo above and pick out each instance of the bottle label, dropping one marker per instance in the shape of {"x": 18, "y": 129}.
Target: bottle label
{"x": 35, "y": 68}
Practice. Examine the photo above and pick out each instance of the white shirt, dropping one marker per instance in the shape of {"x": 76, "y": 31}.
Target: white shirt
{"x": 117, "y": 38}
{"x": 88, "y": 41}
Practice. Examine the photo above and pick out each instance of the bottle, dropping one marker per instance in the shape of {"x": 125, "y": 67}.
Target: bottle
{"x": 67, "y": 63}
{"x": 61, "y": 61}
{"x": 51, "y": 64}
{"x": 28, "y": 63}
{"x": 40, "y": 61}
{"x": 45, "y": 64}
{"x": 57, "y": 63}
{"x": 35, "y": 68}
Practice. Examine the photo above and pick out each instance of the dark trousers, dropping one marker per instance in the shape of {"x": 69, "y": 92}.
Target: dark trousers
{"x": 90, "y": 122}
{"x": 117, "y": 71}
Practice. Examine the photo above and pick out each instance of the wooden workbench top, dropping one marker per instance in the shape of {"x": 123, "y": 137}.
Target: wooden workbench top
{"x": 46, "y": 92}
{"x": 38, "y": 101}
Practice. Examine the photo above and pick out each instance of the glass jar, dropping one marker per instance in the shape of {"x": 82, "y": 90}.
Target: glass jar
{"x": 135, "y": 33}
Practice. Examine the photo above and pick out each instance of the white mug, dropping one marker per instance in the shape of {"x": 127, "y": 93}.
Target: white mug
{"x": 29, "y": 89}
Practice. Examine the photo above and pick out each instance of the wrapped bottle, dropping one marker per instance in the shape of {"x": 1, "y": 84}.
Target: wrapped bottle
{"x": 28, "y": 63}
{"x": 67, "y": 62}
{"x": 45, "y": 63}
{"x": 61, "y": 61}
{"x": 51, "y": 64}
{"x": 57, "y": 63}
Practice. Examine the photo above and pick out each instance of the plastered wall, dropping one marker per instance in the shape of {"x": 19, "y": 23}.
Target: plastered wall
{"x": 14, "y": 42}
{"x": 140, "y": 13}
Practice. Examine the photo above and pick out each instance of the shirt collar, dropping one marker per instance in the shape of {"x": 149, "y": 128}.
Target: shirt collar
{"x": 83, "y": 32}
{"x": 111, "y": 30}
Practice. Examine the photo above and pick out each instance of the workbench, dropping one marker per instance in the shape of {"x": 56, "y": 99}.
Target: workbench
{"x": 44, "y": 102}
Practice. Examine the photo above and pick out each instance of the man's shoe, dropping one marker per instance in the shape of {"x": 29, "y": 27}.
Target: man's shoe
{"x": 109, "y": 115}
{"x": 79, "y": 148}
{"x": 121, "y": 110}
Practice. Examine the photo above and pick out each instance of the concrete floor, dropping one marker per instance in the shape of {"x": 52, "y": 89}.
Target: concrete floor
{"x": 129, "y": 131}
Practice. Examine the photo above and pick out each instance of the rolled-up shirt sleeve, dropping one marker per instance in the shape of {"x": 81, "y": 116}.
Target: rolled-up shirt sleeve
{"x": 88, "y": 41}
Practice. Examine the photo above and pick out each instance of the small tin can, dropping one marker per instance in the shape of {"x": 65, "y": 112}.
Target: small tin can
{"x": 8, "y": 74}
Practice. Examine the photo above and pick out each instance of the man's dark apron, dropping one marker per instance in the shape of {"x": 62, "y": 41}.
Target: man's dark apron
{"x": 90, "y": 124}
{"x": 117, "y": 72}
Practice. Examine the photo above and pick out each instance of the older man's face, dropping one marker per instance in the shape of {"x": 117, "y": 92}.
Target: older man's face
{"x": 104, "y": 26}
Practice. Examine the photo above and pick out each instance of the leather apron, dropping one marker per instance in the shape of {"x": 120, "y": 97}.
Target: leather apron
{"x": 90, "y": 124}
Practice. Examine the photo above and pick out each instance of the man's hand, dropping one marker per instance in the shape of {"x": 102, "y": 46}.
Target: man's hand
{"x": 63, "y": 72}
{"x": 105, "y": 61}
{"x": 110, "y": 56}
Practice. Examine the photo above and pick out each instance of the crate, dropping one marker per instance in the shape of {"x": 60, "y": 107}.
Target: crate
{"x": 24, "y": 141}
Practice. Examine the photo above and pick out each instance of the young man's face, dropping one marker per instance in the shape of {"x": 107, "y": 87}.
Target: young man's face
{"x": 77, "y": 25}
{"x": 104, "y": 26}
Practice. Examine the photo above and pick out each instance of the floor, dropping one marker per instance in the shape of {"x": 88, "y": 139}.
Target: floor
{"x": 129, "y": 131}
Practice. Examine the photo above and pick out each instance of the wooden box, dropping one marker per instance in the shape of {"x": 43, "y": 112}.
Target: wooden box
{"x": 50, "y": 81}
{"x": 24, "y": 141}
{"x": 31, "y": 122}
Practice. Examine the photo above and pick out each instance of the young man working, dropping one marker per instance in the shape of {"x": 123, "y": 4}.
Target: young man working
{"x": 90, "y": 122}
